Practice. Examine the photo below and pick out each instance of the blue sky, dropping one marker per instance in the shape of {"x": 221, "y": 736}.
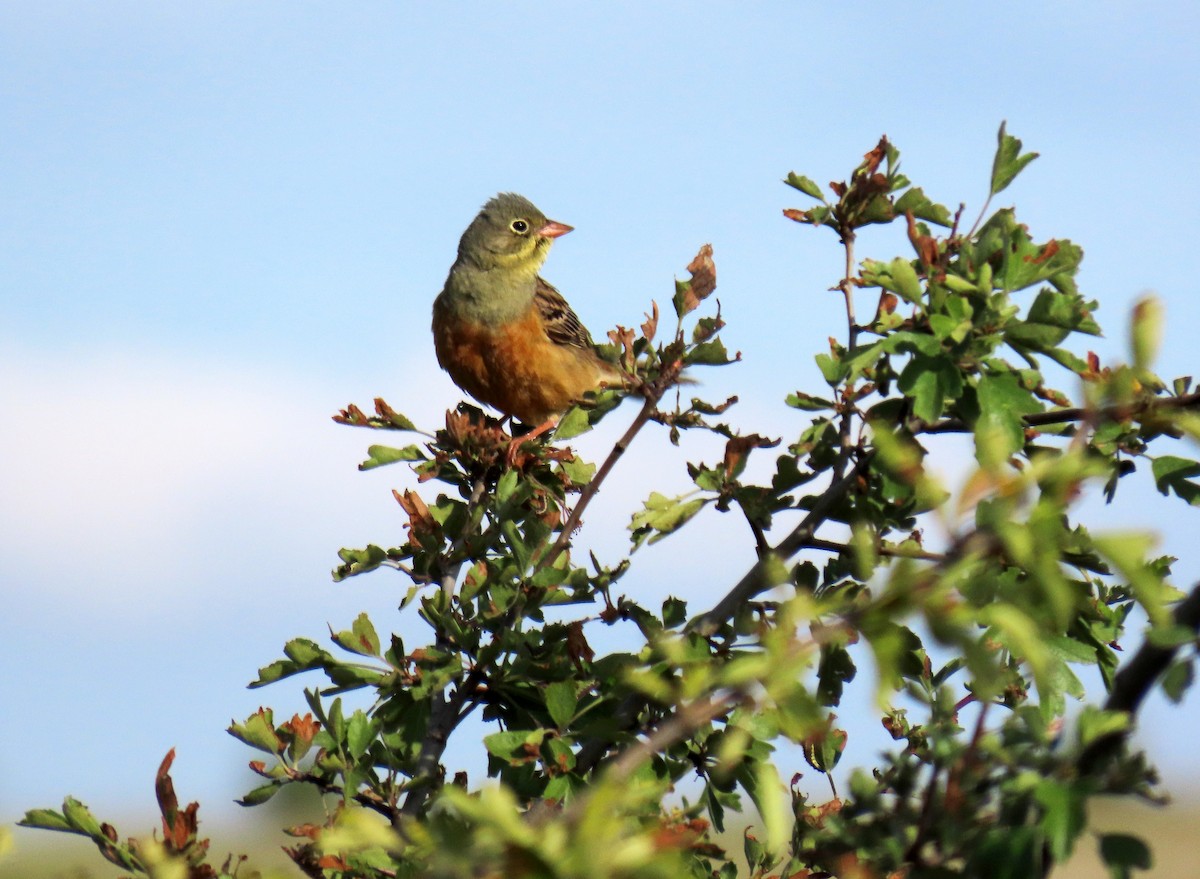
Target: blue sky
{"x": 224, "y": 221}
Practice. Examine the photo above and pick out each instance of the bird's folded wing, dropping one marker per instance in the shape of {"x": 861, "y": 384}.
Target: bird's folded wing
{"x": 561, "y": 323}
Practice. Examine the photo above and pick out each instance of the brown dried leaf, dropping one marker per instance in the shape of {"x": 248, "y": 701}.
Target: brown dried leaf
{"x": 420, "y": 520}
{"x": 577, "y": 646}
{"x": 164, "y": 790}
{"x": 925, "y": 245}
{"x": 873, "y": 157}
{"x": 738, "y": 448}
{"x": 887, "y": 304}
{"x": 623, "y": 338}
{"x": 650, "y": 327}
{"x": 303, "y": 728}
{"x": 704, "y": 273}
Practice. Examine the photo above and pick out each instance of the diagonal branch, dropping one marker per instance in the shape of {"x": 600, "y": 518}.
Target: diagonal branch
{"x": 593, "y": 487}
{"x": 1133, "y": 682}
{"x": 758, "y": 579}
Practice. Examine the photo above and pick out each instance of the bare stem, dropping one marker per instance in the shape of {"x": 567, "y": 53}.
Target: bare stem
{"x": 761, "y": 547}
{"x": 757, "y": 580}
{"x": 846, "y": 285}
{"x": 593, "y": 487}
{"x": 892, "y": 552}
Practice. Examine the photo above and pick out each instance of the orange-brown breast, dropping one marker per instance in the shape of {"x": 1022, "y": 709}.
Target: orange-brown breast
{"x": 515, "y": 367}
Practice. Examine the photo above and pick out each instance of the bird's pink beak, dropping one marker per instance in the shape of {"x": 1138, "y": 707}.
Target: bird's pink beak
{"x": 553, "y": 229}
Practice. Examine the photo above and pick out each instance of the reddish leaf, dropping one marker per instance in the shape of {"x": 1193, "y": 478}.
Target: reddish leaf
{"x": 164, "y": 790}
{"x": 577, "y": 646}
{"x": 1048, "y": 250}
{"x": 420, "y": 521}
{"x": 739, "y": 447}
{"x": 925, "y": 245}
{"x": 650, "y": 327}
{"x": 303, "y": 728}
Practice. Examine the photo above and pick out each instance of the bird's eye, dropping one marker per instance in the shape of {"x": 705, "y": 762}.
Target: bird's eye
{"x": 519, "y": 226}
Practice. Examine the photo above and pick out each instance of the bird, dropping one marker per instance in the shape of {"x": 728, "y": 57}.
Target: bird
{"x": 506, "y": 336}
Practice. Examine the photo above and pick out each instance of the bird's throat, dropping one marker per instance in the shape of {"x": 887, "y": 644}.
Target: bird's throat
{"x": 490, "y": 296}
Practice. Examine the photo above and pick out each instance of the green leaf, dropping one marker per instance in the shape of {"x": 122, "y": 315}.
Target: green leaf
{"x": 1173, "y": 474}
{"x": 1171, "y": 636}
{"x": 662, "y": 515}
{"x": 360, "y": 732}
{"x": 302, "y": 655}
{"x": 259, "y": 732}
{"x": 710, "y": 353}
{"x": 822, "y": 752}
{"x": 1008, "y": 162}
{"x": 833, "y": 371}
{"x": 807, "y": 402}
{"x": 922, "y": 208}
{"x": 514, "y": 746}
{"x": 359, "y": 561}
{"x": 579, "y": 471}
{"x": 1145, "y": 330}
{"x": 1063, "y": 815}
{"x": 804, "y": 184}
{"x": 907, "y": 284}
{"x": 261, "y": 794}
{"x": 674, "y": 612}
{"x": 1178, "y": 678}
{"x": 1122, "y": 853}
{"x": 1003, "y": 403}
{"x": 379, "y": 456}
{"x": 835, "y": 671}
{"x": 929, "y": 382}
{"x": 361, "y": 638}
{"x": 561, "y": 702}
{"x": 81, "y": 818}
{"x": 760, "y": 780}
{"x": 1095, "y": 723}
{"x": 573, "y": 424}
{"x": 46, "y": 819}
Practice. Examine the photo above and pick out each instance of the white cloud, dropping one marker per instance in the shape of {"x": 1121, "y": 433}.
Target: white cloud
{"x": 118, "y": 468}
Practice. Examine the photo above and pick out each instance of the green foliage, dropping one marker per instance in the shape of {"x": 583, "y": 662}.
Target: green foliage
{"x": 977, "y": 641}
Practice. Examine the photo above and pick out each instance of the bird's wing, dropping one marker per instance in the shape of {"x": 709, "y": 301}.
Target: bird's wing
{"x": 561, "y": 323}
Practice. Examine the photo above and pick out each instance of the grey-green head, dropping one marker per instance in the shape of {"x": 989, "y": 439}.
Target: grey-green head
{"x": 509, "y": 233}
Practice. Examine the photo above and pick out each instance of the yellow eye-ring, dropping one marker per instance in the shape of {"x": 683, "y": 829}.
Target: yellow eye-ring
{"x": 519, "y": 226}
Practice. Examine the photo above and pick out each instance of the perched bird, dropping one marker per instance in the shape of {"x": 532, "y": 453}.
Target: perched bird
{"x": 506, "y": 336}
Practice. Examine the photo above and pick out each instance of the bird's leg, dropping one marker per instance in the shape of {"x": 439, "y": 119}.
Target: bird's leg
{"x": 517, "y": 441}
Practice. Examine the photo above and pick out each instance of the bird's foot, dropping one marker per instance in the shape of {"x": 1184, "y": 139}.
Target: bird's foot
{"x": 514, "y": 447}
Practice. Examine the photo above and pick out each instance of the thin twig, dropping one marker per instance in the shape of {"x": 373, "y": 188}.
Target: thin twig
{"x": 1064, "y": 416}
{"x": 685, "y": 721}
{"x": 449, "y": 578}
{"x": 593, "y": 487}
{"x": 846, "y": 285}
{"x": 893, "y": 552}
{"x": 756, "y": 579}
{"x": 761, "y": 547}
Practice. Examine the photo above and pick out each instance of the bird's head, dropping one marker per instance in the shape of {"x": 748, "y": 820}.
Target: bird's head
{"x": 509, "y": 233}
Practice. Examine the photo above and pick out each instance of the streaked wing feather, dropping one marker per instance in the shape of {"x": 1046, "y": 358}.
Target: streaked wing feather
{"x": 562, "y": 324}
